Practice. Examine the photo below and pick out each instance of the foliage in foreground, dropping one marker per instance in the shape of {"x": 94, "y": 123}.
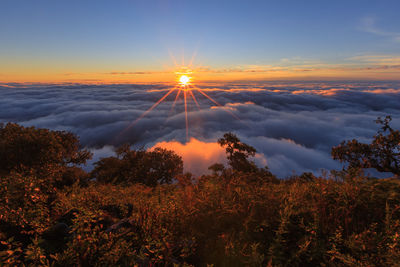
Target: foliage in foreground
{"x": 238, "y": 216}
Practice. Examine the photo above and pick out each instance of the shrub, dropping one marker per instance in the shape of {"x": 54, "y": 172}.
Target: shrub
{"x": 139, "y": 166}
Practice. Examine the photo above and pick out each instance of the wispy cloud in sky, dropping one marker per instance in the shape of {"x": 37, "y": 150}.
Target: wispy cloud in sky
{"x": 380, "y": 59}
{"x": 369, "y": 24}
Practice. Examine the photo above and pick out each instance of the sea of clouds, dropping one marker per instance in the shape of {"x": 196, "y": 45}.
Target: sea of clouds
{"x": 292, "y": 125}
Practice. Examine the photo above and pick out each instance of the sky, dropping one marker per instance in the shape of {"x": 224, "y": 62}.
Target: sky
{"x": 146, "y": 41}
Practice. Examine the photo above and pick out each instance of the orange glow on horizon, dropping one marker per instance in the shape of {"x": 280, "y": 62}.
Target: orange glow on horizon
{"x": 30, "y": 73}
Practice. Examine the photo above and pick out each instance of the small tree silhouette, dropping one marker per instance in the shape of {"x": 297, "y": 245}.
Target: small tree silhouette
{"x": 238, "y": 153}
{"x": 383, "y": 154}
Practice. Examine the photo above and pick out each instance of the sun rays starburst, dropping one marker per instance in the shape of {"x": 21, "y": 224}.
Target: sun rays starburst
{"x": 184, "y": 87}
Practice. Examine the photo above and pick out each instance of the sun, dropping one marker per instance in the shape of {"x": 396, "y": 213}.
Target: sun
{"x": 184, "y": 80}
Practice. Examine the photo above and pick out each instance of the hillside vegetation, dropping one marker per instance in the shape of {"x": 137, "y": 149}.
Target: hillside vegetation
{"x": 138, "y": 208}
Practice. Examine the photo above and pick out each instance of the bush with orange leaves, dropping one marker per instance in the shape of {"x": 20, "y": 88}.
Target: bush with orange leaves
{"x": 233, "y": 217}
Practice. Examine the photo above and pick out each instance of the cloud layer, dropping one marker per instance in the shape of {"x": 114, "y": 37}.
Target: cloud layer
{"x": 292, "y": 125}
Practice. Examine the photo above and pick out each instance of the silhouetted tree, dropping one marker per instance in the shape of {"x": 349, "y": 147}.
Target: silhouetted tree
{"x": 139, "y": 166}
{"x": 238, "y": 153}
{"x": 32, "y": 147}
{"x": 46, "y": 153}
{"x": 383, "y": 154}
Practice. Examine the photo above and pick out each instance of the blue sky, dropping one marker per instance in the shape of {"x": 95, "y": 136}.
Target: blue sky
{"x": 138, "y": 35}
